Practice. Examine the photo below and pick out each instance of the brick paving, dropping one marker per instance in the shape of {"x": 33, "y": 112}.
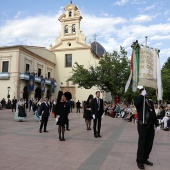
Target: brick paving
{"x": 22, "y": 147}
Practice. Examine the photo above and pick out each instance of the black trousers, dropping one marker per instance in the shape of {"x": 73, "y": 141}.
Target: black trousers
{"x": 14, "y": 108}
{"x": 145, "y": 142}
{"x": 44, "y": 123}
{"x": 67, "y": 124}
{"x": 97, "y": 124}
{"x": 78, "y": 110}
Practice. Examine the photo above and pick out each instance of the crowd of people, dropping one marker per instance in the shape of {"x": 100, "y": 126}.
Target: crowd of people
{"x": 94, "y": 108}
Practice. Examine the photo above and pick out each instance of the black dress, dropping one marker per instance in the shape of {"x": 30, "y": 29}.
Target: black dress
{"x": 21, "y": 111}
{"x": 63, "y": 111}
{"x": 87, "y": 111}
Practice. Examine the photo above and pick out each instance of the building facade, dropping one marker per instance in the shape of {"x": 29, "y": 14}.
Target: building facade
{"x": 17, "y": 63}
{"x": 54, "y": 63}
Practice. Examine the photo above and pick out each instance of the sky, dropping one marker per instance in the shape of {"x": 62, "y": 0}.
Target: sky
{"x": 115, "y": 22}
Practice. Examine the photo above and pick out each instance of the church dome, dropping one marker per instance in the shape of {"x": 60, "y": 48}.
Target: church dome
{"x": 98, "y": 48}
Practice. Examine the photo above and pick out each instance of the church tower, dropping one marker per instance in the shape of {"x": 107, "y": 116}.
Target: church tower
{"x": 70, "y": 47}
{"x": 70, "y": 26}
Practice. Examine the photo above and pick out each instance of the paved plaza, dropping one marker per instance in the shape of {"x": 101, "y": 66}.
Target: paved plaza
{"x": 22, "y": 147}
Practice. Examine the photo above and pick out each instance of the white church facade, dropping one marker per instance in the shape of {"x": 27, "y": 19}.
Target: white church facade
{"x": 53, "y": 64}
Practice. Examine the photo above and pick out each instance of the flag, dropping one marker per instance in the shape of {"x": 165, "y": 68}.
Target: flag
{"x": 130, "y": 76}
{"x": 52, "y": 86}
{"x": 135, "y": 72}
{"x": 148, "y": 67}
{"x": 159, "y": 78}
{"x": 31, "y": 82}
{"x": 42, "y": 85}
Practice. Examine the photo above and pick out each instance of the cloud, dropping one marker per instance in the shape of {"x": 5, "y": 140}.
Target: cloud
{"x": 41, "y": 30}
{"x": 148, "y": 8}
{"x": 121, "y": 2}
{"x": 141, "y": 18}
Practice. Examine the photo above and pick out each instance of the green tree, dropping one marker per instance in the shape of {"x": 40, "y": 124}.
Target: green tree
{"x": 109, "y": 75}
{"x": 166, "y": 80}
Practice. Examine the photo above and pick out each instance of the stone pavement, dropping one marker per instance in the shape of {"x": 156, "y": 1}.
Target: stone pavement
{"x": 22, "y": 147}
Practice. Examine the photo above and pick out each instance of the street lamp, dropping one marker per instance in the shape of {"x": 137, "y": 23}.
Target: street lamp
{"x": 8, "y": 96}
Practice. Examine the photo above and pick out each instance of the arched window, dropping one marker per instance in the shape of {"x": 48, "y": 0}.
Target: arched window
{"x": 73, "y": 28}
{"x": 70, "y": 14}
{"x": 66, "y": 29}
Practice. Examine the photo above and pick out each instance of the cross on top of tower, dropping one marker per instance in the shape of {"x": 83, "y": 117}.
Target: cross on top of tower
{"x": 71, "y": 2}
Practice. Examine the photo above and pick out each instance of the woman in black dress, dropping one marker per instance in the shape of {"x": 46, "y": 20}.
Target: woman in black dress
{"x": 62, "y": 115}
{"x": 87, "y": 112}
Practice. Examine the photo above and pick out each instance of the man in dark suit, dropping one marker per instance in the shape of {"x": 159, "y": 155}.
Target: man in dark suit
{"x": 44, "y": 113}
{"x": 78, "y": 106}
{"x": 97, "y": 111}
{"x": 145, "y": 128}
{"x": 14, "y": 102}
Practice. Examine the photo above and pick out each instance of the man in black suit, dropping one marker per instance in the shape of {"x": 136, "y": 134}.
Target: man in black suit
{"x": 44, "y": 113}
{"x": 97, "y": 111}
{"x": 78, "y": 106}
{"x": 14, "y": 102}
{"x": 145, "y": 128}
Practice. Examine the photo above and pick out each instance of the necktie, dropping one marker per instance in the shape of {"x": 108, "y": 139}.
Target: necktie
{"x": 98, "y": 103}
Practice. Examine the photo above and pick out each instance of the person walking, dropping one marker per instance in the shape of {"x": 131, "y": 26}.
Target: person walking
{"x": 44, "y": 113}
{"x": 62, "y": 114}
{"x": 78, "y": 106}
{"x": 87, "y": 112}
{"x": 97, "y": 109}
{"x": 145, "y": 128}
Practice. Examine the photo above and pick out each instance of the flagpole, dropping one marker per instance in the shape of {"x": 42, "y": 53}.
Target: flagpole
{"x": 144, "y": 109}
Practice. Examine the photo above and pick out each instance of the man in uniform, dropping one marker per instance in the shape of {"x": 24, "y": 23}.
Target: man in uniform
{"x": 145, "y": 128}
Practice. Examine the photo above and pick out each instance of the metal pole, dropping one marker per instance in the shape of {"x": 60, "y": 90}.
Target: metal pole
{"x": 146, "y": 40}
{"x": 144, "y": 109}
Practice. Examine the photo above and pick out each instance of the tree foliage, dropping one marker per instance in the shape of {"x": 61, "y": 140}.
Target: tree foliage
{"x": 166, "y": 80}
{"x": 109, "y": 75}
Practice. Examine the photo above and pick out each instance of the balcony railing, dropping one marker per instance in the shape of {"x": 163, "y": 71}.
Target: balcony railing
{"x": 24, "y": 76}
{"x": 4, "y": 75}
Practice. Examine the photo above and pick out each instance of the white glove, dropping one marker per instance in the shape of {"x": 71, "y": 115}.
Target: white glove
{"x": 93, "y": 116}
{"x": 40, "y": 117}
{"x": 143, "y": 93}
{"x": 158, "y": 128}
{"x": 102, "y": 116}
{"x": 56, "y": 119}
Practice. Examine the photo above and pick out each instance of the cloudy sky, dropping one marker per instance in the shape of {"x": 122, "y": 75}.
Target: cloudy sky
{"x": 116, "y": 22}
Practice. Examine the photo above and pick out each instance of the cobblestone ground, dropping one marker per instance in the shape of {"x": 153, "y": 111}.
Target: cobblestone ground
{"x": 22, "y": 147}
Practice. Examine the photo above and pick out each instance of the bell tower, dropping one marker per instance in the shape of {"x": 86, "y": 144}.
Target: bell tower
{"x": 70, "y": 25}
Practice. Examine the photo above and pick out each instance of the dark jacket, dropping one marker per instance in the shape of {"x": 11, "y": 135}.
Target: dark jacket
{"x": 94, "y": 107}
{"x": 150, "y": 115}
{"x": 44, "y": 110}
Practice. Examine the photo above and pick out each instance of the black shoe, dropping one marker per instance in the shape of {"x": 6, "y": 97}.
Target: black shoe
{"x": 148, "y": 163}
{"x": 63, "y": 139}
{"x": 68, "y": 129}
{"x": 40, "y": 131}
{"x": 46, "y": 131}
{"x": 95, "y": 136}
{"x": 89, "y": 128}
{"x": 60, "y": 138}
{"x": 99, "y": 136}
{"x": 140, "y": 166}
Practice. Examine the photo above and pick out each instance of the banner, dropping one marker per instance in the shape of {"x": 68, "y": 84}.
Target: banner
{"x": 148, "y": 67}
{"x": 42, "y": 85}
{"x": 130, "y": 77}
{"x": 31, "y": 82}
{"x": 52, "y": 86}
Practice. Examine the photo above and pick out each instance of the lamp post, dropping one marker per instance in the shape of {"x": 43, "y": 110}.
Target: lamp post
{"x": 8, "y": 96}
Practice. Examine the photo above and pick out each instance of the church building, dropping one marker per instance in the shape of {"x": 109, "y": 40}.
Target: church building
{"x": 53, "y": 65}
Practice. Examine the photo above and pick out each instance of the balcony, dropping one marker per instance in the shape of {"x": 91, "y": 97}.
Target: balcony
{"x": 4, "y": 75}
{"x": 24, "y": 76}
